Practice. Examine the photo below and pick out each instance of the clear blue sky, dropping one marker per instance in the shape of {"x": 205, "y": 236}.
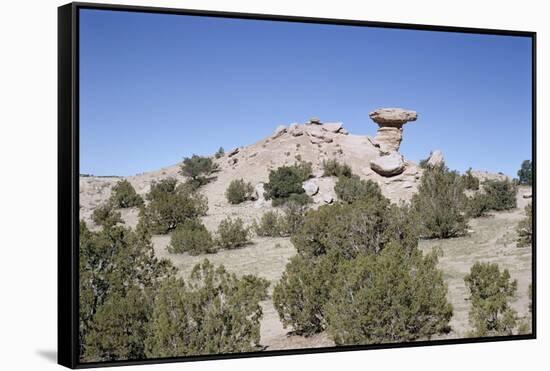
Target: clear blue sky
{"x": 155, "y": 88}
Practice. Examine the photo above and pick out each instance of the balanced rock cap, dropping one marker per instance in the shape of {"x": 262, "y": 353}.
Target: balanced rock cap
{"x": 392, "y": 116}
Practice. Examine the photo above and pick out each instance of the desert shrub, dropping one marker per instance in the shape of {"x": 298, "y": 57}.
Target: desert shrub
{"x": 525, "y": 228}
{"x": 347, "y": 230}
{"x": 477, "y": 205}
{"x": 123, "y": 195}
{"x": 391, "y": 297}
{"x": 199, "y": 169}
{"x": 525, "y": 173}
{"x": 215, "y": 313}
{"x": 439, "y": 203}
{"x": 333, "y": 168}
{"x": 232, "y": 233}
{"x": 106, "y": 216}
{"x": 490, "y": 291}
{"x": 272, "y": 224}
{"x": 219, "y": 153}
{"x": 301, "y": 294}
{"x": 423, "y": 163}
{"x": 501, "y": 194}
{"x": 285, "y": 184}
{"x": 239, "y": 191}
{"x": 119, "y": 328}
{"x": 171, "y": 204}
{"x": 352, "y": 189}
{"x": 192, "y": 237}
{"x": 470, "y": 181}
{"x": 294, "y": 214}
{"x": 119, "y": 274}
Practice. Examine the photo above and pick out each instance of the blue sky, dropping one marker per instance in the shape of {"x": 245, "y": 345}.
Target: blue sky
{"x": 155, "y": 88}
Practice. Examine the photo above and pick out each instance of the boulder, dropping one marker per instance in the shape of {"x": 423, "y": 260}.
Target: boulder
{"x": 314, "y": 121}
{"x": 233, "y": 152}
{"x": 258, "y": 196}
{"x": 280, "y": 130}
{"x": 311, "y": 187}
{"x": 436, "y": 159}
{"x": 332, "y": 127}
{"x": 388, "y": 165}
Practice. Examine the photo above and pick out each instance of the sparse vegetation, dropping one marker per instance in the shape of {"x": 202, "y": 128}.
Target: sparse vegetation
{"x": 124, "y": 195}
{"x": 171, "y": 204}
{"x": 232, "y": 233}
{"x": 198, "y": 169}
{"x": 192, "y": 237}
{"x": 215, "y": 313}
{"x": 239, "y": 191}
{"x": 525, "y": 173}
{"x": 525, "y": 228}
{"x": 501, "y": 194}
{"x": 352, "y": 189}
{"x": 439, "y": 203}
{"x": 285, "y": 184}
{"x": 490, "y": 292}
{"x": 470, "y": 181}
{"x": 334, "y": 168}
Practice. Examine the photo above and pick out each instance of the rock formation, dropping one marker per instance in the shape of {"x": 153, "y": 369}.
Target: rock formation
{"x": 436, "y": 159}
{"x": 388, "y": 165}
{"x": 390, "y": 127}
{"x": 388, "y": 139}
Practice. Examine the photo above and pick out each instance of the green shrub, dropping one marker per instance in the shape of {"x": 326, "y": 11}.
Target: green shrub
{"x": 352, "y": 189}
{"x": 119, "y": 328}
{"x": 525, "y": 174}
{"x": 294, "y": 214}
{"x": 501, "y": 194}
{"x": 105, "y": 215}
{"x": 391, "y": 297}
{"x": 285, "y": 184}
{"x": 334, "y": 168}
{"x": 123, "y": 195}
{"x": 171, "y": 204}
{"x": 192, "y": 237}
{"x": 198, "y": 169}
{"x": 348, "y": 229}
{"x": 232, "y": 233}
{"x": 219, "y": 153}
{"x": 302, "y": 293}
{"x": 490, "y": 290}
{"x": 271, "y": 224}
{"x": 525, "y": 228}
{"x": 119, "y": 274}
{"x": 239, "y": 191}
{"x": 439, "y": 203}
{"x": 477, "y": 205}
{"x": 470, "y": 181}
{"x": 216, "y": 313}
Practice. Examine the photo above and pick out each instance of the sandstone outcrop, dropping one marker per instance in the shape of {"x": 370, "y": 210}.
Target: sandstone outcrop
{"x": 436, "y": 159}
{"x": 388, "y": 165}
{"x": 390, "y": 127}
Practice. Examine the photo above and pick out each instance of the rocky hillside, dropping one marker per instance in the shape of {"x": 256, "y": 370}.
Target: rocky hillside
{"x": 375, "y": 158}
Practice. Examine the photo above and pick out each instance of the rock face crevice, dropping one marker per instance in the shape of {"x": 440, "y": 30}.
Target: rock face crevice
{"x": 388, "y": 138}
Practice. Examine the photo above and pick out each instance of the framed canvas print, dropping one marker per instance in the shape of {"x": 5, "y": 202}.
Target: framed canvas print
{"x": 242, "y": 185}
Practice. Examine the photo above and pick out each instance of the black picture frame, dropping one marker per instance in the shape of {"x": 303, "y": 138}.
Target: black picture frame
{"x": 68, "y": 180}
